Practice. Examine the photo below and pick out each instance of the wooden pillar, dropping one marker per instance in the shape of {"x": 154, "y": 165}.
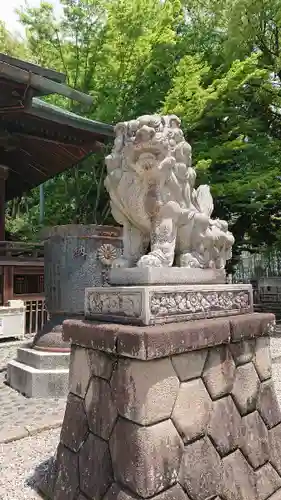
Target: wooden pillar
{"x": 8, "y": 284}
{"x": 4, "y": 171}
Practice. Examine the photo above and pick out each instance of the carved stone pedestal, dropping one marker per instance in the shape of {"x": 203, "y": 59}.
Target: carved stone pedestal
{"x": 150, "y": 305}
{"x": 172, "y": 412}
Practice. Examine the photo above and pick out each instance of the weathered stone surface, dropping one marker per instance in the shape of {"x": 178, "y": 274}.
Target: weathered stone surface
{"x": 245, "y": 388}
{"x": 91, "y": 334}
{"x": 275, "y": 447}
{"x": 75, "y": 427}
{"x": 79, "y": 371}
{"x": 254, "y": 440}
{"x": 101, "y": 364}
{"x": 189, "y": 365}
{"x": 67, "y": 474}
{"x": 268, "y": 481}
{"x": 95, "y": 467}
{"x": 219, "y": 372}
{"x": 145, "y": 393}
{"x": 243, "y": 351}
{"x": 173, "y": 493}
{"x": 250, "y": 325}
{"x": 100, "y": 408}
{"x": 46, "y": 480}
{"x": 267, "y": 404}
{"x": 192, "y": 409}
{"x": 148, "y": 342}
{"x": 224, "y": 425}
{"x": 276, "y": 495}
{"x": 201, "y": 471}
{"x": 239, "y": 479}
{"x": 145, "y": 459}
{"x": 262, "y": 358}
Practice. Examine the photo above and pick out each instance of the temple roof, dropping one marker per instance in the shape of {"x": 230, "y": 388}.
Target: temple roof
{"x": 39, "y": 140}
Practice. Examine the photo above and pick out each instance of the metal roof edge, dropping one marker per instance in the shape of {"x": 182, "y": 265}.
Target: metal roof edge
{"x": 49, "y": 111}
{"x": 51, "y": 74}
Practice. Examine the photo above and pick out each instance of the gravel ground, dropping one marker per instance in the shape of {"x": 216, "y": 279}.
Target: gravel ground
{"x": 21, "y": 462}
{"x": 8, "y": 350}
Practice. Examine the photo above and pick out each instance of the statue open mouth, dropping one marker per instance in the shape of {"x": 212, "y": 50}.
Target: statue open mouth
{"x": 155, "y": 148}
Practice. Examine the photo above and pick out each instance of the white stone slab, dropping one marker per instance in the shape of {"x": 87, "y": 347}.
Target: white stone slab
{"x": 35, "y": 383}
{"x": 165, "y": 276}
{"x": 43, "y": 360}
{"x": 150, "y": 305}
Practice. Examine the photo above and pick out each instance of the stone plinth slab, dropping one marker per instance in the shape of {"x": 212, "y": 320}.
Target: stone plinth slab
{"x": 159, "y": 341}
{"x": 43, "y": 360}
{"x": 150, "y": 305}
{"x": 37, "y": 383}
{"x": 165, "y": 276}
{"x": 39, "y": 374}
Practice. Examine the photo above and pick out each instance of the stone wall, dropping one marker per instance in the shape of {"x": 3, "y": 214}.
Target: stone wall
{"x": 173, "y": 412}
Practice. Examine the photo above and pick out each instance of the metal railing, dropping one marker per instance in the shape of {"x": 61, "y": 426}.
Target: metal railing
{"x": 261, "y": 297}
{"x": 36, "y": 315}
{"x": 21, "y": 249}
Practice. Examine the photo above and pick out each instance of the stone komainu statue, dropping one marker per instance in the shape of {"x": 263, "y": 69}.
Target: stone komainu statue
{"x": 150, "y": 181}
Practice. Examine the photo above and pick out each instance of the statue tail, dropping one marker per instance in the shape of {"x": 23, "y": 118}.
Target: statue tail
{"x": 204, "y": 200}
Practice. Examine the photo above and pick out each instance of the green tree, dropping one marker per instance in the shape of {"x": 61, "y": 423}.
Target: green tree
{"x": 229, "y": 123}
{"x": 11, "y": 45}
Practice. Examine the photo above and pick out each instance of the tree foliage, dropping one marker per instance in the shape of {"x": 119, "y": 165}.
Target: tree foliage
{"x": 217, "y": 64}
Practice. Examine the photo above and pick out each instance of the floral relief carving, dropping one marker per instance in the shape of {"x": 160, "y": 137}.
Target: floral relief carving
{"x": 114, "y": 303}
{"x": 107, "y": 253}
{"x": 194, "y": 302}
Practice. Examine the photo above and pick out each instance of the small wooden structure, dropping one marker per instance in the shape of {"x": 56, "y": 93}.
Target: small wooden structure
{"x": 37, "y": 141}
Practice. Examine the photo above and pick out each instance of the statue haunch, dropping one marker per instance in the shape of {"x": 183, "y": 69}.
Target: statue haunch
{"x": 150, "y": 181}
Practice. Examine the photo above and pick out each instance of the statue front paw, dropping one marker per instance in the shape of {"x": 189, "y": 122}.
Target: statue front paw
{"x": 188, "y": 260}
{"x": 121, "y": 262}
{"x": 149, "y": 261}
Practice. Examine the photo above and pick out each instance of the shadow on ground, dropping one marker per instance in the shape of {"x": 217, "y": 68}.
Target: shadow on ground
{"x": 43, "y": 477}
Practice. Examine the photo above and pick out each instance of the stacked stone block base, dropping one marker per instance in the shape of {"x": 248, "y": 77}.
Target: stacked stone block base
{"x": 175, "y": 412}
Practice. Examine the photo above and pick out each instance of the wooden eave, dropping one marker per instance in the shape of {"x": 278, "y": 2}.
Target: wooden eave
{"x": 39, "y": 140}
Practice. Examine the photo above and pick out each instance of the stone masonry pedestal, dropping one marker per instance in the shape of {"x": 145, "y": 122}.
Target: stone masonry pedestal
{"x": 76, "y": 256}
{"x": 182, "y": 411}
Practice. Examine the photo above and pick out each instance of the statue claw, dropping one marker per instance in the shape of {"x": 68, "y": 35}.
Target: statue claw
{"x": 121, "y": 263}
{"x": 149, "y": 261}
